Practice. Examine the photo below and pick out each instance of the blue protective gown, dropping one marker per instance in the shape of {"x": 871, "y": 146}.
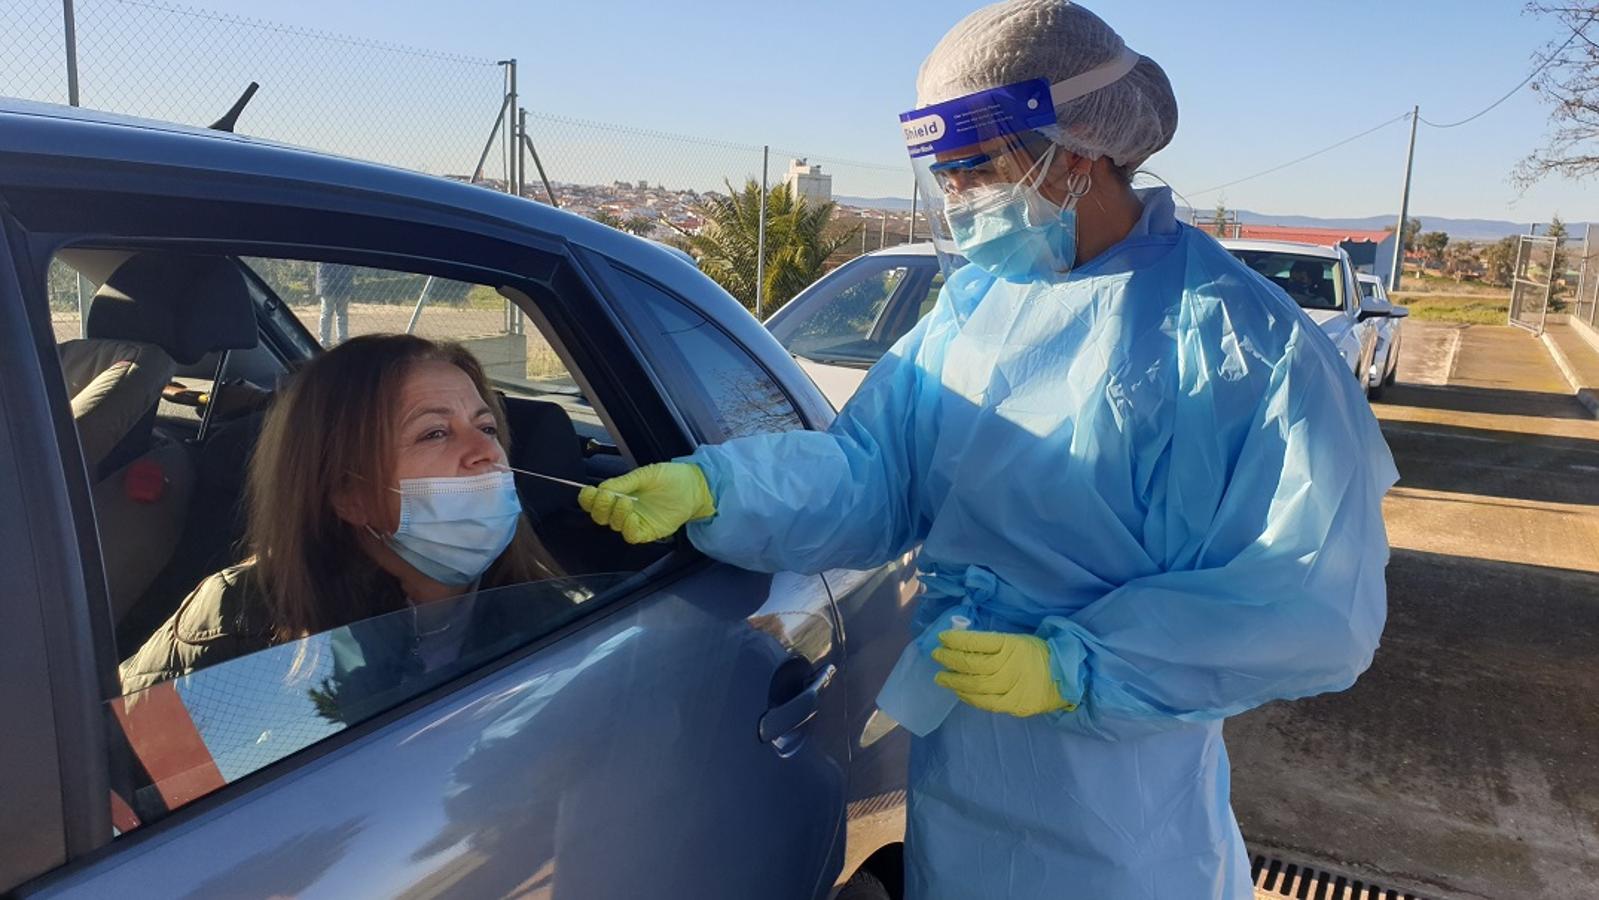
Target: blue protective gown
{"x": 1158, "y": 464}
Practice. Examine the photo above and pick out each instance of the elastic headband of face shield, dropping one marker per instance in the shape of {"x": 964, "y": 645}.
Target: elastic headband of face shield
{"x": 946, "y": 140}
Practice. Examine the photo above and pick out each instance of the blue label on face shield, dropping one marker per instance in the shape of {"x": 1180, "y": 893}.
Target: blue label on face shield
{"x": 974, "y": 118}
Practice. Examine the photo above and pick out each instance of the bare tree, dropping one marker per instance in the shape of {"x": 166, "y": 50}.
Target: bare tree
{"x": 1569, "y": 82}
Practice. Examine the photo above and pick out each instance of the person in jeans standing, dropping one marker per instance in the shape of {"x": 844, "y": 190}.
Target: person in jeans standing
{"x": 334, "y": 284}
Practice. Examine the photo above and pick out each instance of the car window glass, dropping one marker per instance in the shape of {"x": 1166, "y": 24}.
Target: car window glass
{"x": 712, "y": 378}
{"x": 69, "y": 294}
{"x": 193, "y": 734}
{"x": 1313, "y": 282}
{"x": 836, "y": 319}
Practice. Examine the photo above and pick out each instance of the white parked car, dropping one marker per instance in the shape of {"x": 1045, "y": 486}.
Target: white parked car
{"x": 1385, "y": 364}
{"x": 841, "y": 325}
{"x": 1322, "y": 281}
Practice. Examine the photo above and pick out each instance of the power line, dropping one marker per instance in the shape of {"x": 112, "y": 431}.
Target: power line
{"x": 1575, "y": 32}
{"x": 1295, "y": 162}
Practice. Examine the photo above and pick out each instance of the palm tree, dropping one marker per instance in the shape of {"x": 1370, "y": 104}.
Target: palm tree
{"x": 798, "y": 242}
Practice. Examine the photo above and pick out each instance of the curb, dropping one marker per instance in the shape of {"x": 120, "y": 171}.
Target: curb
{"x": 1585, "y": 331}
{"x": 1585, "y": 396}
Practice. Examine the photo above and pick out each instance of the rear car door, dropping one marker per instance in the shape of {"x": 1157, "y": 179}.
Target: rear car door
{"x": 679, "y": 733}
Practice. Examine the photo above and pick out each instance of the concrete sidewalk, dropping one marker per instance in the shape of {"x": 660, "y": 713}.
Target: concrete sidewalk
{"x": 1464, "y": 762}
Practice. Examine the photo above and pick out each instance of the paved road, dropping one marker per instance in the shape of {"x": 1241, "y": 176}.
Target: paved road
{"x": 1466, "y": 761}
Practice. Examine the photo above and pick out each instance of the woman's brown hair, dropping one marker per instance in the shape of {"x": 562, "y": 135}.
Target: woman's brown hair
{"x": 332, "y": 430}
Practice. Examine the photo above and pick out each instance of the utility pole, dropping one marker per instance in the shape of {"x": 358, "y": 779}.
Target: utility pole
{"x": 912, "y": 238}
{"x": 760, "y": 238}
{"x": 1404, "y": 204}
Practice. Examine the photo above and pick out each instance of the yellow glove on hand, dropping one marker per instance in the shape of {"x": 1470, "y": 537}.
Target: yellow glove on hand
{"x": 650, "y": 503}
{"x": 1002, "y": 673}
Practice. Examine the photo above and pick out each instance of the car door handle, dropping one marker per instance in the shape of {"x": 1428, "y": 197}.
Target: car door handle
{"x": 791, "y": 715}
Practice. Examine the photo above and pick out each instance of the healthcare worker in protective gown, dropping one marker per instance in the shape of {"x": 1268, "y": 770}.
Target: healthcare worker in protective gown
{"x": 1143, "y": 476}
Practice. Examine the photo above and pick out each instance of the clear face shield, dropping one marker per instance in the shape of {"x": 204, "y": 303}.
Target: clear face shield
{"x": 971, "y": 154}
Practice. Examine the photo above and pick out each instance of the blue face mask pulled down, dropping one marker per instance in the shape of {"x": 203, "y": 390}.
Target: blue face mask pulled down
{"x": 1013, "y": 232}
{"x": 452, "y": 529}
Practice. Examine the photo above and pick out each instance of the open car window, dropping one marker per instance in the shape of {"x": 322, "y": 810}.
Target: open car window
{"x": 193, "y": 734}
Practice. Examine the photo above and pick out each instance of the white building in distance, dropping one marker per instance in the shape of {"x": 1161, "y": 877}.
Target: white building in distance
{"x": 807, "y": 181}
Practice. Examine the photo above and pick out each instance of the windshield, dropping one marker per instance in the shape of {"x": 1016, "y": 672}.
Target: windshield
{"x": 854, "y": 315}
{"x": 1313, "y": 281}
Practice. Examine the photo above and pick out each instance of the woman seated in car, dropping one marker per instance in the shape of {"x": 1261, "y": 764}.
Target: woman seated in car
{"x": 379, "y": 484}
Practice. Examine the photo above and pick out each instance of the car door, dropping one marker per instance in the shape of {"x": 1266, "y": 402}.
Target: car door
{"x": 682, "y": 734}
{"x": 722, "y": 391}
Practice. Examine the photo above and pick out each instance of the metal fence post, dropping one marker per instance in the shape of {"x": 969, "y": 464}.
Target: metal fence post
{"x": 82, "y": 333}
{"x": 69, "y": 26}
{"x": 488, "y": 145}
{"x": 760, "y": 238}
{"x": 533, "y": 151}
{"x": 912, "y": 238}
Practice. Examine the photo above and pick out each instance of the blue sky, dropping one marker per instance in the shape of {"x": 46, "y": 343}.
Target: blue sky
{"x": 1258, "y": 83}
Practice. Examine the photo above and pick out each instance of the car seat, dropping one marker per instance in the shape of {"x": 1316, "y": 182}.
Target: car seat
{"x": 155, "y": 311}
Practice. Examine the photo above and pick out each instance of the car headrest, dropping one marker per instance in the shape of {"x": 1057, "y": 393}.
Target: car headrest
{"x": 544, "y": 441}
{"x": 187, "y": 305}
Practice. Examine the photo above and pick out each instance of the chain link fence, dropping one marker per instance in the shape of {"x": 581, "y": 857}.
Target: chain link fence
{"x": 704, "y": 197}
{"x": 458, "y": 117}
{"x": 412, "y": 108}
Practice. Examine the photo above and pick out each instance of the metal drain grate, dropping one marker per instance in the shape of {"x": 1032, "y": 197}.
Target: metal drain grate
{"x": 1303, "y": 882}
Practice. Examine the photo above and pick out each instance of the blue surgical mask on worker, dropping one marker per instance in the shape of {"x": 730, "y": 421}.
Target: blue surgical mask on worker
{"x": 452, "y": 529}
{"x": 1012, "y": 231}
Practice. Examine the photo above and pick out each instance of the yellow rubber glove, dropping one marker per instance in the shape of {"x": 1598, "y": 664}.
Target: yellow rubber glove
{"x": 650, "y": 503}
{"x": 1002, "y": 673}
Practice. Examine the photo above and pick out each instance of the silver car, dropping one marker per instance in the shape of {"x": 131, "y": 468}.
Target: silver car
{"x": 1390, "y": 335}
{"x": 652, "y": 724}
{"x": 1321, "y": 280}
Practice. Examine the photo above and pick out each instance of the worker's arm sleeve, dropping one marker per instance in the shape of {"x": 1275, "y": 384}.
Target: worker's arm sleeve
{"x": 1287, "y": 598}
{"x": 807, "y": 501}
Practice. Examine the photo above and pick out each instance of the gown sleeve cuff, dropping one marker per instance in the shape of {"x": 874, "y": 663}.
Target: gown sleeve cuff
{"x": 1068, "y": 659}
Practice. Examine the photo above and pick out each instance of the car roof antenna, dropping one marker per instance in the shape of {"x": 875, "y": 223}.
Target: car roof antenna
{"x": 230, "y": 119}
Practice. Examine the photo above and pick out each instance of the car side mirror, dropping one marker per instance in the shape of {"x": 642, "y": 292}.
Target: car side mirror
{"x": 1399, "y": 312}
{"x": 1379, "y": 313}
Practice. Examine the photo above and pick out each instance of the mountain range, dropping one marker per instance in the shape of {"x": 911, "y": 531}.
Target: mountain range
{"x": 1457, "y": 229}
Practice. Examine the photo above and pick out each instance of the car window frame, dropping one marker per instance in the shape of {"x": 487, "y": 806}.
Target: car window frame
{"x": 703, "y": 426}
{"x": 62, "y": 778}
{"x": 586, "y": 344}
{"x": 1351, "y": 285}
{"x": 904, "y": 304}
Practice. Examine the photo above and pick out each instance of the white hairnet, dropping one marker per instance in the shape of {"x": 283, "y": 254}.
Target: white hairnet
{"x": 1017, "y": 40}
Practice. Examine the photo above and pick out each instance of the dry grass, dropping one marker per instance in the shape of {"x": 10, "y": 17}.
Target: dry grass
{"x": 1476, "y": 307}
